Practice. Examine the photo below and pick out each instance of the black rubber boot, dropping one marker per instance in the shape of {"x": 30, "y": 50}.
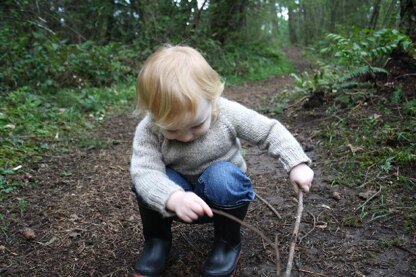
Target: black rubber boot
{"x": 158, "y": 241}
{"x": 223, "y": 258}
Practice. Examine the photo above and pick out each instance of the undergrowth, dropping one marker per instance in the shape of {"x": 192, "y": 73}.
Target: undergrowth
{"x": 371, "y": 147}
{"x": 368, "y": 132}
{"x": 32, "y": 124}
{"x": 54, "y": 93}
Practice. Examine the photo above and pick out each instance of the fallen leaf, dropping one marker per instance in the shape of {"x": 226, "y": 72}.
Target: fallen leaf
{"x": 28, "y": 233}
{"x": 74, "y": 235}
{"x": 367, "y": 194}
{"x": 353, "y": 148}
{"x": 49, "y": 242}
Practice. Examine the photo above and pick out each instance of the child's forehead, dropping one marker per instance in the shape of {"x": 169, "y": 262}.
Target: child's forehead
{"x": 185, "y": 119}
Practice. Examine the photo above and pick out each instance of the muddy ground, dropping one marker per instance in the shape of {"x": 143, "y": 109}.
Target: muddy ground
{"x": 86, "y": 220}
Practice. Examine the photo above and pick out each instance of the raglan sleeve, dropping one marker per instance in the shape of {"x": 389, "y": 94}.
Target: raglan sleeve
{"x": 147, "y": 169}
{"x": 266, "y": 133}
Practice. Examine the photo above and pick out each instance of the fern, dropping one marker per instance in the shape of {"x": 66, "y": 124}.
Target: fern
{"x": 361, "y": 71}
{"x": 366, "y": 47}
{"x": 346, "y": 85}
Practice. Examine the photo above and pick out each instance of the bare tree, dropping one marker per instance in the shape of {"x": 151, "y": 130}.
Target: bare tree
{"x": 408, "y": 18}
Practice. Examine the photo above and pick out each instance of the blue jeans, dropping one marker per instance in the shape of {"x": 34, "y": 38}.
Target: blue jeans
{"x": 222, "y": 184}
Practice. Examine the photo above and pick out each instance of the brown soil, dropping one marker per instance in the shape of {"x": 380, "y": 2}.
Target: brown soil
{"x": 86, "y": 220}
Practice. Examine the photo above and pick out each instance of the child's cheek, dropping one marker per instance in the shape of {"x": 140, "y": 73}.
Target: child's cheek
{"x": 169, "y": 135}
{"x": 203, "y": 130}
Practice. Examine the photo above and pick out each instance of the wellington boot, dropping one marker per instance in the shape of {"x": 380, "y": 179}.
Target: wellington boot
{"x": 223, "y": 258}
{"x": 158, "y": 241}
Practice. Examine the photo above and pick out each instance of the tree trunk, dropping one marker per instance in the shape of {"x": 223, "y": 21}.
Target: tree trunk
{"x": 375, "y": 14}
{"x": 292, "y": 26}
{"x": 198, "y": 13}
{"x": 408, "y": 18}
{"x": 148, "y": 10}
{"x": 387, "y": 17}
{"x": 227, "y": 16}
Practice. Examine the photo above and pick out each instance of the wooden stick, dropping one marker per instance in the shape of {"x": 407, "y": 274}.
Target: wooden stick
{"x": 278, "y": 267}
{"x": 215, "y": 211}
{"x": 274, "y": 245}
{"x": 294, "y": 234}
{"x": 269, "y": 205}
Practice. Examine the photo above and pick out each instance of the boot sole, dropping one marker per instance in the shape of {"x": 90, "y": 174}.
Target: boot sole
{"x": 236, "y": 264}
{"x": 235, "y": 269}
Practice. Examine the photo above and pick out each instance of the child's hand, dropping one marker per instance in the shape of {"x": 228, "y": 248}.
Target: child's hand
{"x": 188, "y": 206}
{"x": 301, "y": 176}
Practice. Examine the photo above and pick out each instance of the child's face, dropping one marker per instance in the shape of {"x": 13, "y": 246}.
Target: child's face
{"x": 190, "y": 128}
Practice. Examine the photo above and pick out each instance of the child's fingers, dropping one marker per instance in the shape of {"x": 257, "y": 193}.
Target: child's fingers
{"x": 301, "y": 186}
{"x": 207, "y": 209}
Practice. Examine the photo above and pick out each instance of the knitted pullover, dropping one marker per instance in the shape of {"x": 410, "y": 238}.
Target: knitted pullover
{"x": 152, "y": 152}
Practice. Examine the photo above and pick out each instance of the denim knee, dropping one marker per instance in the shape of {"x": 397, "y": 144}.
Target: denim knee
{"x": 173, "y": 176}
{"x": 226, "y": 185}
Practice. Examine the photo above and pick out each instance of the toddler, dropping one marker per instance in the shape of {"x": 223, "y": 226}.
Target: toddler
{"x": 187, "y": 157}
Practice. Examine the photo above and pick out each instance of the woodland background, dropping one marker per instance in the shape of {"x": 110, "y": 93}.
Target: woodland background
{"x": 65, "y": 63}
{"x": 68, "y": 68}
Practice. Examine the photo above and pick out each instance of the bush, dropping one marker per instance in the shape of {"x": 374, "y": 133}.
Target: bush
{"x": 44, "y": 63}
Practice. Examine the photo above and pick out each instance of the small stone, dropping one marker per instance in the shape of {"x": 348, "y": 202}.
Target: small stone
{"x": 28, "y": 233}
{"x": 27, "y": 177}
{"x": 336, "y": 195}
{"x": 308, "y": 148}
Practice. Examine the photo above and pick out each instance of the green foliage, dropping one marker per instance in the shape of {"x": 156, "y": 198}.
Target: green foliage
{"x": 31, "y": 124}
{"x": 354, "y": 62}
{"x": 5, "y": 186}
{"x": 44, "y": 63}
{"x": 321, "y": 80}
{"x": 366, "y": 47}
{"x": 360, "y": 71}
{"x": 370, "y": 145}
{"x": 371, "y": 153}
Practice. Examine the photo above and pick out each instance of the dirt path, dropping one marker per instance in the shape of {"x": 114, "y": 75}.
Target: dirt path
{"x": 87, "y": 223}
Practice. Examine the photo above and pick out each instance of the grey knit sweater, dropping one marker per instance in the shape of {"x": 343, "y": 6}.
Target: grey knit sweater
{"x": 152, "y": 153}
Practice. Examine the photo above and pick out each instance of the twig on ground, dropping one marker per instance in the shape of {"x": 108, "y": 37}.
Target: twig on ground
{"x": 297, "y": 102}
{"x": 311, "y": 272}
{"x": 273, "y": 245}
{"x": 278, "y": 268}
{"x": 270, "y": 206}
{"x": 191, "y": 245}
{"x": 405, "y": 75}
{"x": 295, "y": 234}
{"x": 215, "y": 211}
{"x": 369, "y": 199}
{"x": 313, "y": 228}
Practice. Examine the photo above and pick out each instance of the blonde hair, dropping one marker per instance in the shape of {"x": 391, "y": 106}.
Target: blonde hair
{"x": 172, "y": 81}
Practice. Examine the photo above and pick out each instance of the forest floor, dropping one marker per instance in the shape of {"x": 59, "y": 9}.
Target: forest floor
{"x": 86, "y": 221}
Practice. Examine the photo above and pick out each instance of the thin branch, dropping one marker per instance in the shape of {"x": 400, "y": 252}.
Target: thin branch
{"x": 270, "y": 206}
{"x": 215, "y": 211}
{"x": 273, "y": 245}
{"x": 278, "y": 267}
{"x": 405, "y": 75}
{"x": 313, "y": 228}
{"x": 368, "y": 200}
{"x": 311, "y": 272}
{"x": 295, "y": 234}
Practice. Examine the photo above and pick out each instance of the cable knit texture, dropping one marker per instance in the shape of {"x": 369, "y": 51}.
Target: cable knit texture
{"x": 152, "y": 153}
